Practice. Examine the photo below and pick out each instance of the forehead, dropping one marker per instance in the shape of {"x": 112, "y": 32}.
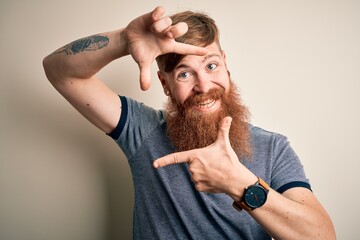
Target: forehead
{"x": 214, "y": 52}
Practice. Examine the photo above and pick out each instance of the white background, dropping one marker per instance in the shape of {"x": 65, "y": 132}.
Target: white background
{"x": 296, "y": 63}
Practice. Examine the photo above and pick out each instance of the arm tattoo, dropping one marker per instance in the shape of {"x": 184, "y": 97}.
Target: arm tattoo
{"x": 91, "y": 43}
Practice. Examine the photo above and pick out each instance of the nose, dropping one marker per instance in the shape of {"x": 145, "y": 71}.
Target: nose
{"x": 203, "y": 83}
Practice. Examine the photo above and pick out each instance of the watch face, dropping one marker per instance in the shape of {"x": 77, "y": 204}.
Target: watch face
{"x": 255, "y": 196}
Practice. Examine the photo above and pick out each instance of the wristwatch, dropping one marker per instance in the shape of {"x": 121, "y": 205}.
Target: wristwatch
{"x": 254, "y": 196}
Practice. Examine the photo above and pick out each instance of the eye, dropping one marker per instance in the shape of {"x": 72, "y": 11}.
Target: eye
{"x": 211, "y": 66}
{"x": 183, "y": 76}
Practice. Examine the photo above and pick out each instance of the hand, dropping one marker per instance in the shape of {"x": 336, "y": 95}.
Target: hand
{"x": 151, "y": 35}
{"x": 215, "y": 168}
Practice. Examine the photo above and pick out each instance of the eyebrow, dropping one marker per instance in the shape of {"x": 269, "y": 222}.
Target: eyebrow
{"x": 211, "y": 56}
{"x": 207, "y": 57}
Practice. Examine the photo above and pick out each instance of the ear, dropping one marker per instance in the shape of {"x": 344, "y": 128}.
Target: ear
{"x": 161, "y": 76}
{"x": 223, "y": 54}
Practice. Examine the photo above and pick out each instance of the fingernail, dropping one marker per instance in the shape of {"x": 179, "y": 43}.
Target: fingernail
{"x": 228, "y": 120}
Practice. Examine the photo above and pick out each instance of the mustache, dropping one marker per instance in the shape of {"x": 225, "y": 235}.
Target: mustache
{"x": 214, "y": 94}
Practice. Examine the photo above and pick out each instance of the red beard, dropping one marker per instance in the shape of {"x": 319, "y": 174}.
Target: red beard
{"x": 189, "y": 129}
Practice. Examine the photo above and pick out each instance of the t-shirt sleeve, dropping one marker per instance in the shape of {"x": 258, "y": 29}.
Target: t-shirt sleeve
{"x": 287, "y": 170}
{"x": 115, "y": 134}
{"x": 136, "y": 122}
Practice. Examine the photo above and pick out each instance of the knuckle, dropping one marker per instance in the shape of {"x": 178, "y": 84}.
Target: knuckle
{"x": 178, "y": 30}
{"x": 162, "y": 24}
{"x": 191, "y": 168}
{"x": 198, "y": 186}
{"x": 175, "y": 159}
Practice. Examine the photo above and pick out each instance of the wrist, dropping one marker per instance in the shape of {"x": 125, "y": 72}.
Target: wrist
{"x": 120, "y": 43}
{"x": 240, "y": 182}
{"x": 123, "y": 42}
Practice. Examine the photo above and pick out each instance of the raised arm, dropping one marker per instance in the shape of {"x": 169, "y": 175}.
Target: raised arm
{"x": 72, "y": 69}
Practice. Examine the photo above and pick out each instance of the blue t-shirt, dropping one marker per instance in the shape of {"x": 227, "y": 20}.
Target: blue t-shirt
{"x": 167, "y": 205}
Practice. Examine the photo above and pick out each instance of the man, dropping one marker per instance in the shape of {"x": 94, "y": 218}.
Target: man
{"x": 200, "y": 170}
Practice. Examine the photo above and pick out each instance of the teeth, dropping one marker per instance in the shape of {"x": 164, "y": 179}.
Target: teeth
{"x": 206, "y": 104}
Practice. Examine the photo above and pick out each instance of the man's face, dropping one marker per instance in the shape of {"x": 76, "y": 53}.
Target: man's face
{"x": 195, "y": 75}
{"x": 200, "y": 95}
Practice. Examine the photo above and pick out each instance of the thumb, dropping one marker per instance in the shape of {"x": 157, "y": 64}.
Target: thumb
{"x": 224, "y": 128}
{"x": 145, "y": 77}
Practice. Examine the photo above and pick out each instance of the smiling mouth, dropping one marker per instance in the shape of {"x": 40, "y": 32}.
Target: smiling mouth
{"x": 206, "y": 104}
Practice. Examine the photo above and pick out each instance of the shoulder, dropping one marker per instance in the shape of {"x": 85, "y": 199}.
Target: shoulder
{"x": 263, "y": 133}
{"x": 283, "y": 168}
{"x": 260, "y": 136}
{"x": 137, "y": 111}
{"x": 137, "y": 107}
{"x": 274, "y": 147}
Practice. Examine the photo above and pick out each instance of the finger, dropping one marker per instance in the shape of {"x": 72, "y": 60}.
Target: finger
{"x": 224, "y": 128}
{"x": 177, "y": 30}
{"x": 161, "y": 25}
{"x": 187, "y": 49}
{"x": 145, "y": 76}
{"x": 174, "y": 158}
{"x": 158, "y": 12}
{"x": 154, "y": 15}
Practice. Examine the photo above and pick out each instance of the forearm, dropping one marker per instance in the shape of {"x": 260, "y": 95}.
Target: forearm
{"x": 294, "y": 214}
{"x": 284, "y": 218}
{"x": 83, "y": 58}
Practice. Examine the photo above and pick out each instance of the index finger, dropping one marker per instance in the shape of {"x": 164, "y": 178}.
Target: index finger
{"x": 173, "y": 158}
{"x": 187, "y": 49}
